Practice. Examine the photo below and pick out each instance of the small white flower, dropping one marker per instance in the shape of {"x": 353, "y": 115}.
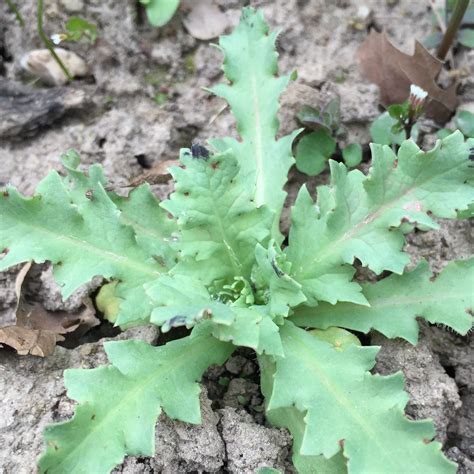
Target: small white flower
{"x": 418, "y": 93}
{"x": 58, "y": 38}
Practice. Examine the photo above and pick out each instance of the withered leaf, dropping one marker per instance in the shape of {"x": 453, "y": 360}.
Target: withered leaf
{"x": 394, "y": 72}
{"x": 29, "y": 341}
{"x": 37, "y": 330}
{"x": 159, "y": 174}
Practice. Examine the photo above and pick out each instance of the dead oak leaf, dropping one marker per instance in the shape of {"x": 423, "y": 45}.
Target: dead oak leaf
{"x": 394, "y": 72}
{"x": 29, "y": 341}
{"x": 37, "y": 330}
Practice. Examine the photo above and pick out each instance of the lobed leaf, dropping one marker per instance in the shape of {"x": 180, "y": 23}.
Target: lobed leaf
{"x": 218, "y": 220}
{"x": 120, "y": 404}
{"x": 294, "y": 420}
{"x": 360, "y": 217}
{"x": 74, "y": 223}
{"x": 396, "y": 301}
{"x": 344, "y": 405}
{"x": 250, "y": 65}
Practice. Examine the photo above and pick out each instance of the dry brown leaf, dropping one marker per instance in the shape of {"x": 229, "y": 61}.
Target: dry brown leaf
{"x": 204, "y": 20}
{"x": 29, "y": 341}
{"x": 159, "y": 174}
{"x": 394, "y": 72}
{"x": 37, "y": 330}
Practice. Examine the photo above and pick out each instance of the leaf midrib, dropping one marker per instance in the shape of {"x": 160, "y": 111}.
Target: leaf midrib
{"x": 368, "y": 219}
{"x": 343, "y": 400}
{"x": 179, "y": 360}
{"x": 87, "y": 246}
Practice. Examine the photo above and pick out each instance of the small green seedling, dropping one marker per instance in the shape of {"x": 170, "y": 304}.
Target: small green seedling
{"x": 316, "y": 147}
{"x": 77, "y": 28}
{"x": 464, "y": 121}
{"x": 212, "y": 259}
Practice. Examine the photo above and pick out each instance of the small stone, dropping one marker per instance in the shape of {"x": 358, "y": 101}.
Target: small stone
{"x": 73, "y": 5}
{"x": 41, "y": 63}
{"x": 235, "y": 364}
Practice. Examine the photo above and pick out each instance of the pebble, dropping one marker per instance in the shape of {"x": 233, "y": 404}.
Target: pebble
{"x": 40, "y": 63}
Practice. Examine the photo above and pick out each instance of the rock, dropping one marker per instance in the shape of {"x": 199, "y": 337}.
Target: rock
{"x": 465, "y": 465}
{"x": 40, "y": 63}
{"x": 73, "y": 5}
{"x": 33, "y": 396}
{"x": 26, "y": 110}
{"x": 50, "y": 293}
{"x": 204, "y": 20}
{"x": 250, "y": 446}
{"x": 235, "y": 364}
{"x": 182, "y": 448}
{"x": 240, "y": 392}
{"x": 456, "y": 353}
{"x": 148, "y": 334}
{"x": 433, "y": 394}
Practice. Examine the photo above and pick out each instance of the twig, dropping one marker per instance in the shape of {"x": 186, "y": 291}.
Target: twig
{"x": 442, "y": 27}
{"x": 15, "y": 10}
{"x": 452, "y": 29}
{"x": 47, "y": 42}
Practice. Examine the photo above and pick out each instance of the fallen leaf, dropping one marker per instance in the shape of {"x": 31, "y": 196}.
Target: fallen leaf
{"x": 204, "y": 20}
{"x": 394, "y": 72}
{"x": 37, "y": 330}
{"x": 29, "y": 341}
{"x": 159, "y": 174}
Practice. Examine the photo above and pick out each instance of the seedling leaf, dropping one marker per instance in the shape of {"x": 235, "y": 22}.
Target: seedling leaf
{"x": 396, "y": 301}
{"x": 120, "y": 404}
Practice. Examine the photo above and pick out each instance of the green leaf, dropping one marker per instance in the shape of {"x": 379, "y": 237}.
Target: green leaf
{"x": 160, "y": 12}
{"x": 272, "y": 273}
{"x": 220, "y": 224}
{"x": 396, "y": 301}
{"x": 250, "y": 64}
{"x": 78, "y": 27}
{"x": 183, "y": 301}
{"x": 120, "y": 404}
{"x": 443, "y": 133}
{"x": 154, "y": 228}
{"x": 352, "y": 155}
{"x": 64, "y": 223}
{"x": 107, "y": 301}
{"x": 313, "y": 152}
{"x": 253, "y": 327}
{"x": 466, "y": 37}
{"x": 346, "y": 405}
{"x": 359, "y": 217}
{"x": 339, "y": 338}
{"x": 268, "y": 470}
{"x": 465, "y": 122}
{"x": 294, "y": 421}
{"x": 321, "y": 281}
{"x": 381, "y": 131}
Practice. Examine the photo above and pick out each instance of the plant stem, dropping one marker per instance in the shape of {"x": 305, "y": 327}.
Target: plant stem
{"x": 14, "y": 9}
{"x": 452, "y": 28}
{"x": 47, "y": 42}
